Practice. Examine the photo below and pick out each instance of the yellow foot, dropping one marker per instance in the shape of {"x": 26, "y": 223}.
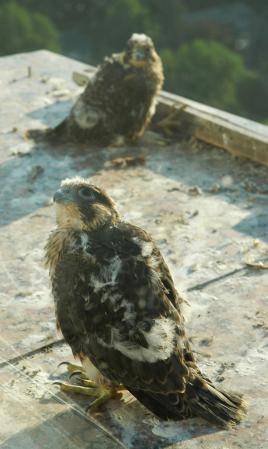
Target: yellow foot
{"x": 101, "y": 391}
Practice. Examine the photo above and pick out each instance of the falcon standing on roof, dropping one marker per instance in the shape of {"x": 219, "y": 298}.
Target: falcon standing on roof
{"x": 118, "y": 309}
{"x": 119, "y": 100}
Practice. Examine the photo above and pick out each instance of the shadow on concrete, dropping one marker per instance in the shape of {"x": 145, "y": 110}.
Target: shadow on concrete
{"x": 128, "y": 422}
{"x": 52, "y": 114}
{"x": 187, "y": 164}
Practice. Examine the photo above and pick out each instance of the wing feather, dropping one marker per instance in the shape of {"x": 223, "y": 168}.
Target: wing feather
{"x": 145, "y": 341}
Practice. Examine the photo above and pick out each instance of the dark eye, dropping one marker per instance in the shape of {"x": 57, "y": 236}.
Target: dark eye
{"x": 87, "y": 193}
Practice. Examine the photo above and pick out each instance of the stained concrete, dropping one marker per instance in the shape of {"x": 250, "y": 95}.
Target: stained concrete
{"x": 208, "y": 213}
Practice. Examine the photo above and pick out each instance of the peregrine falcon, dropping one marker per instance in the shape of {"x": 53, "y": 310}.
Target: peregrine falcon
{"x": 118, "y": 309}
{"x": 119, "y": 100}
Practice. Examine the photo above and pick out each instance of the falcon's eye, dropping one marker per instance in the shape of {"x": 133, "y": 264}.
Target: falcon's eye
{"x": 87, "y": 193}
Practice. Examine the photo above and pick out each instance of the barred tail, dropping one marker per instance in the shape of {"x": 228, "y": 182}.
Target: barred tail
{"x": 201, "y": 399}
{"x": 216, "y": 405}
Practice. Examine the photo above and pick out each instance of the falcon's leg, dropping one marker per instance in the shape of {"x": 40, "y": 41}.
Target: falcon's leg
{"x": 102, "y": 391}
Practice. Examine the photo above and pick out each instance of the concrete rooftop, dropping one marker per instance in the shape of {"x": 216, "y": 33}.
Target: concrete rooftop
{"x": 208, "y": 213}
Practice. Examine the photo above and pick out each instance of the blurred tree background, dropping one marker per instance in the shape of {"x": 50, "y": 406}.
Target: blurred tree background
{"x": 214, "y": 51}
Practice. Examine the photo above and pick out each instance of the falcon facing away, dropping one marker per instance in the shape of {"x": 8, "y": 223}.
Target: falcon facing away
{"x": 119, "y": 311}
{"x": 119, "y": 100}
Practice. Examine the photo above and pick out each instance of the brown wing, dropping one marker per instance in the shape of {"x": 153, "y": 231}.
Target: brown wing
{"x": 135, "y": 331}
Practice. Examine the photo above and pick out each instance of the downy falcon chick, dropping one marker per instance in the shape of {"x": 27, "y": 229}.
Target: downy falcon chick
{"x": 118, "y": 309}
{"x": 119, "y": 100}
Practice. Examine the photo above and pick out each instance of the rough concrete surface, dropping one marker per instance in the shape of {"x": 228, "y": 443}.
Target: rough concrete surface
{"x": 208, "y": 213}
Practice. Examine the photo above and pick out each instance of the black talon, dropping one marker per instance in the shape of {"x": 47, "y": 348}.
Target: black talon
{"x": 57, "y": 382}
{"x": 74, "y": 373}
{"x": 63, "y": 363}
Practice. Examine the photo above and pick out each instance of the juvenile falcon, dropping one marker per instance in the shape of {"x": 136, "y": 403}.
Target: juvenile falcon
{"x": 119, "y": 100}
{"x": 118, "y": 309}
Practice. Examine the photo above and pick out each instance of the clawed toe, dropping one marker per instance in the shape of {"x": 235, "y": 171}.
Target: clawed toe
{"x": 101, "y": 392}
{"x": 72, "y": 367}
{"x": 78, "y": 373}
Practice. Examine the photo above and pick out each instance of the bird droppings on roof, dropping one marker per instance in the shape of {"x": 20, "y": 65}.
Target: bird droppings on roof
{"x": 207, "y": 226}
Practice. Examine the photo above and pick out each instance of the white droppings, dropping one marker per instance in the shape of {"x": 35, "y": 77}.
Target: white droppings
{"x": 169, "y": 431}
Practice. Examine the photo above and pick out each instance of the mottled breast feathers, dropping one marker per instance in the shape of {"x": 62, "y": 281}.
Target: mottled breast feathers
{"x": 115, "y": 300}
{"x": 117, "y": 306}
{"x": 119, "y": 101}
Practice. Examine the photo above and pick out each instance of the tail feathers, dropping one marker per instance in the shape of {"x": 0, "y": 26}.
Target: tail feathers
{"x": 48, "y": 134}
{"x": 201, "y": 398}
{"x": 217, "y": 406}
{"x": 159, "y": 404}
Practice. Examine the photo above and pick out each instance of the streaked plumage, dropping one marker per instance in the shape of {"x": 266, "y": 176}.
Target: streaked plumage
{"x": 119, "y": 101}
{"x": 117, "y": 306}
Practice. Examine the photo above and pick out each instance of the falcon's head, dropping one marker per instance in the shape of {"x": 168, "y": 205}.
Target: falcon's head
{"x": 140, "y": 50}
{"x": 83, "y": 206}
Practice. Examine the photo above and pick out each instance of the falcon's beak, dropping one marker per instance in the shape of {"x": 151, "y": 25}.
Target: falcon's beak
{"x": 139, "y": 54}
{"x": 63, "y": 196}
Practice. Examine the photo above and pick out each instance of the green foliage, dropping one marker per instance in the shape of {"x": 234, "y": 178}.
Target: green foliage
{"x": 21, "y": 30}
{"x": 167, "y": 18}
{"x": 113, "y": 22}
{"x": 69, "y": 14}
{"x": 107, "y": 24}
{"x": 193, "y": 5}
{"x": 253, "y": 96}
{"x": 206, "y": 71}
{"x": 117, "y": 21}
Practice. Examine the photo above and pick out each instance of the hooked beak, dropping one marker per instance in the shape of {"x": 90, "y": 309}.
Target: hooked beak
{"x": 139, "y": 54}
{"x": 63, "y": 196}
